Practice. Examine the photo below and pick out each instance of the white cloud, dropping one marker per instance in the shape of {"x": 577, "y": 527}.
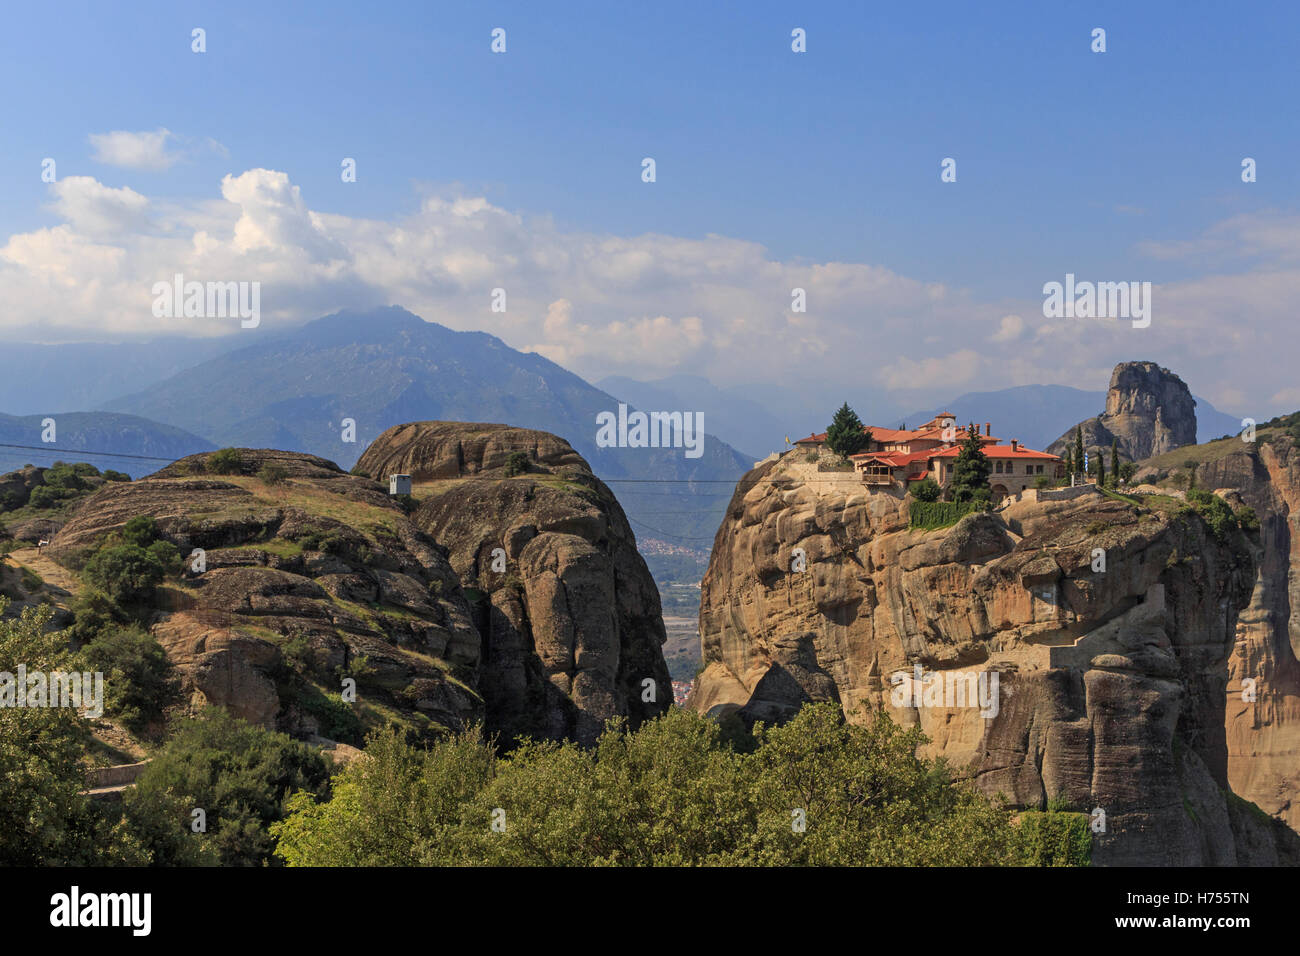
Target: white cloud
{"x": 90, "y": 207}
{"x": 144, "y": 150}
{"x": 642, "y": 305}
{"x": 1009, "y": 328}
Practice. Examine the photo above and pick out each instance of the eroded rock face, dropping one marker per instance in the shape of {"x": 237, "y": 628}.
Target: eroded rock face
{"x": 308, "y": 575}
{"x": 570, "y": 615}
{"x": 1149, "y": 411}
{"x": 1111, "y": 684}
{"x": 1263, "y": 735}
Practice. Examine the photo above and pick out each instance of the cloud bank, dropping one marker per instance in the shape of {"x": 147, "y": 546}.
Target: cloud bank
{"x": 643, "y": 306}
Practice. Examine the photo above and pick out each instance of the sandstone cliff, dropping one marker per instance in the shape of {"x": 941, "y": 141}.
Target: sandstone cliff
{"x": 1149, "y": 411}
{"x": 1263, "y": 735}
{"x": 570, "y": 616}
{"x": 307, "y": 579}
{"x": 1112, "y": 683}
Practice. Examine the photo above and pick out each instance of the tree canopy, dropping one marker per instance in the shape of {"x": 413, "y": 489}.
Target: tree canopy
{"x": 677, "y": 791}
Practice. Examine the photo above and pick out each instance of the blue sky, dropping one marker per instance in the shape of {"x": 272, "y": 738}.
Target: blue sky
{"x": 1122, "y": 165}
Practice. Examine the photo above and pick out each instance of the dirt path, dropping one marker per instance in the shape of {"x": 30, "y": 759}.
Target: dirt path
{"x": 52, "y": 574}
{"x": 60, "y": 583}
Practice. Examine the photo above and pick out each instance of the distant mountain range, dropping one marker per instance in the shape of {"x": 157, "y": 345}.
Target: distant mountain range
{"x": 40, "y": 379}
{"x": 384, "y": 367}
{"x": 294, "y": 391}
{"x": 127, "y": 435}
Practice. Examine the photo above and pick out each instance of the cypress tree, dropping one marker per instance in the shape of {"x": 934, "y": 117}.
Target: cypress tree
{"x": 846, "y": 435}
{"x": 971, "y": 470}
{"x": 1114, "y": 462}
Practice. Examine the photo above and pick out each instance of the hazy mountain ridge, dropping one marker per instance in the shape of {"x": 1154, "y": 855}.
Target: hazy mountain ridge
{"x": 388, "y": 366}
{"x": 77, "y": 433}
{"x": 87, "y": 374}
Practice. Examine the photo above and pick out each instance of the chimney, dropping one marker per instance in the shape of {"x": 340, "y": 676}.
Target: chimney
{"x": 1014, "y": 443}
{"x": 988, "y": 429}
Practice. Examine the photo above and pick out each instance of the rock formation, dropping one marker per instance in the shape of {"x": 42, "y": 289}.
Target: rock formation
{"x": 1149, "y": 411}
{"x": 315, "y": 575}
{"x": 1111, "y": 683}
{"x": 570, "y": 616}
{"x": 1263, "y": 735}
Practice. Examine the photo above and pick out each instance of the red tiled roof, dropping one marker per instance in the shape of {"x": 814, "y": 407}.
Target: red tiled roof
{"x": 960, "y": 435}
{"x": 996, "y": 451}
{"x": 895, "y": 459}
{"x": 885, "y": 435}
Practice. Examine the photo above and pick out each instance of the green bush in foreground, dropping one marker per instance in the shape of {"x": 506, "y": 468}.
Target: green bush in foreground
{"x": 45, "y": 818}
{"x": 239, "y": 775}
{"x": 816, "y": 791}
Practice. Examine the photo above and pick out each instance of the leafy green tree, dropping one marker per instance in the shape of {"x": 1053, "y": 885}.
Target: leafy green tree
{"x": 64, "y": 477}
{"x": 168, "y": 557}
{"x": 239, "y": 774}
{"x": 401, "y": 806}
{"x": 125, "y": 572}
{"x": 971, "y": 470}
{"x": 927, "y": 489}
{"x": 138, "y": 679}
{"x": 43, "y": 818}
{"x": 43, "y": 497}
{"x": 140, "y": 531}
{"x": 867, "y": 798}
{"x": 846, "y": 435}
{"x": 676, "y": 791}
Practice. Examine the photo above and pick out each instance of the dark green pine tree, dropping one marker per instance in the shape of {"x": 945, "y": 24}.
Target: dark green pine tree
{"x": 1078, "y": 450}
{"x": 971, "y": 470}
{"x": 1101, "y": 469}
{"x": 1114, "y": 462}
{"x": 846, "y": 434}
